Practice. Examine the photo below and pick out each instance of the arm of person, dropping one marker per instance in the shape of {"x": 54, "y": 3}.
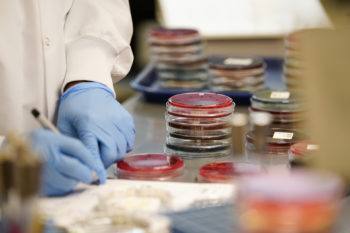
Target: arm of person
{"x": 97, "y": 35}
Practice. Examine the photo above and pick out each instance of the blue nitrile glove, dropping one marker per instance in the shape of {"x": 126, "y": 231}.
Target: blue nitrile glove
{"x": 66, "y": 162}
{"x": 88, "y": 111}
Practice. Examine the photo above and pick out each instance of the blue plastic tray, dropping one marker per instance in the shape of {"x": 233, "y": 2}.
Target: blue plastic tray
{"x": 146, "y": 83}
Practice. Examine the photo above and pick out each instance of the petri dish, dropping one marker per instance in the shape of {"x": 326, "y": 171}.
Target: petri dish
{"x": 234, "y": 63}
{"x": 278, "y": 140}
{"x": 289, "y": 202}
{"x": 224, "y": 172}
{"x": 200, "y": 105}
{"x": 150, "y": 167}
{"x": 193, "y": 153}
{"x": 174, "y": 36}
{"x": 199, "y": 100}
{"x": 199, "y": 146}
{"x": 197, "y": 124}
{"x": 275, "y": 96}
{"x": 282, "y": 117}
{"x": 302, "y": 149}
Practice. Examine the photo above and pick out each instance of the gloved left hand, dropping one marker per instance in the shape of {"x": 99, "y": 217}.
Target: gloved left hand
{"x": 88, "y": 111}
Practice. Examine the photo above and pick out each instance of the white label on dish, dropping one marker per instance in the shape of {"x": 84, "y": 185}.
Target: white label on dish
{"x": 312, "y": 147}
{"x": 283, "y": 135}
{"x": 238, "y": 61}
{"x": 280, "y": 95}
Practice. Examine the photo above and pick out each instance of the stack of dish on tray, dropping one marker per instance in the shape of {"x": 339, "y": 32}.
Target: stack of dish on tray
{"x": 286, "y": 107}
{"x": 198, "y": 125}
{"x": 236, "y": 73}
{"x": 288, "y": 114}
{"x": 179, "y": 59}
{"x": 293, "y": 66}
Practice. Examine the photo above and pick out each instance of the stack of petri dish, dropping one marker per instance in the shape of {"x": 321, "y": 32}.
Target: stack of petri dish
{"x": 225, "y": 172}
{"x": 179, "y": 59}
{"x": 198, "y": 125}
{"x": 158, "y": 167}
{"x": 236, "y": 73}
{"x": 278, "y": 141}
{"x": 286, "y": 107}
{"x": 293, "y": 66}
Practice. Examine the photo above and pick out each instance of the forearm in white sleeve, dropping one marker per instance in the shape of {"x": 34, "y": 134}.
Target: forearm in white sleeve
{"x": 97, "y": 36}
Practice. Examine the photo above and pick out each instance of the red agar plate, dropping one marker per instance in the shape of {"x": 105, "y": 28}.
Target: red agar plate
{"x": 198, "y": 100}
{"x": 149, "y": 166}
{"x": 226, "y": 171}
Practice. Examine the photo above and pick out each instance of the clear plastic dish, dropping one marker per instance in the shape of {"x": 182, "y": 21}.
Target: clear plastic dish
{"x": 198, "y": 104}
{"x": 202, "y": 143}
{"x": 193, "y": 153}
{"x": 150, "y": 167}
{"x": 282, "y": 117}
{"x": 276, "y": 97}
{"x": 235, "y": 63}
{"x": 174, "y": 36}
{"x": 224, "y": 172}
{"x": 203, "y": 134}
{"x": 197, "y": 124}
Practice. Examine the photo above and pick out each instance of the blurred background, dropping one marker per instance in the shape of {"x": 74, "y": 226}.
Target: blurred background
{"x": 239, "y": 27}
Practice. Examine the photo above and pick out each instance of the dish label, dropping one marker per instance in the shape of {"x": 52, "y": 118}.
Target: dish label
{"x": 280, "y": 95}
{"x": 312, "y": 147}
{"x": 238, "y": 61}
{"x": 283, "y": 135}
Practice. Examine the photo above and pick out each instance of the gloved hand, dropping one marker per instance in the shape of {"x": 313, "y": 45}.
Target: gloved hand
{"x": 66, "y": 162}
{"x": 89, "y": 112}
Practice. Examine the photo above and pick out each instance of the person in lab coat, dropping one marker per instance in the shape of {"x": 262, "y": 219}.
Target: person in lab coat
{"x": 62, "y": 57}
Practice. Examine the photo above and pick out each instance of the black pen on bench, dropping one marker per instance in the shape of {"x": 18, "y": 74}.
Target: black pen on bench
{"x": 46, "y": 123}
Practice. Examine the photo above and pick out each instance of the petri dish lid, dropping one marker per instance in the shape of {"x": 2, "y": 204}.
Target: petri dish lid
{"x": 235, "y": 63}
{"x": 150, "y": 164}
{"x": 178, "y": 36}
{"x": 226, "y": 171}
{"x": 303, "y": 148}
{"x": 200, "y": 100}
{"x": 295, "y": 186}
{"x": 273, "y": 96}
{"x": 279, "y": 136}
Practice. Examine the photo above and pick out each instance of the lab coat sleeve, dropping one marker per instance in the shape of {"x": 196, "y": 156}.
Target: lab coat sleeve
{"x": 97, "y": 37}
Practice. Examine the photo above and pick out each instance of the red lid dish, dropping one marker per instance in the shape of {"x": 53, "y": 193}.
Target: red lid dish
{"x": 200, "y": 100}
{"x": 164, "y": 33}
{"x": 150, "y": 164}
{"x": 226, "y": 171}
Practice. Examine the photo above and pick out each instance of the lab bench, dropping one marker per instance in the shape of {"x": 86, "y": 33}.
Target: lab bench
{"x": 150, "y": 138}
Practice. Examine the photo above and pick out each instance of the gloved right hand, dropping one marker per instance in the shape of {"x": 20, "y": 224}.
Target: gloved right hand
{"x": 66, "y": 162}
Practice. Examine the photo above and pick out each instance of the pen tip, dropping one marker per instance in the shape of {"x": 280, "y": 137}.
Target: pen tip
{"x": 35, "y": 112}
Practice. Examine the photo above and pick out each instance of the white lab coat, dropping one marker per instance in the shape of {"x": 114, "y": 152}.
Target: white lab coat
{"x": 44, "y": 44}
